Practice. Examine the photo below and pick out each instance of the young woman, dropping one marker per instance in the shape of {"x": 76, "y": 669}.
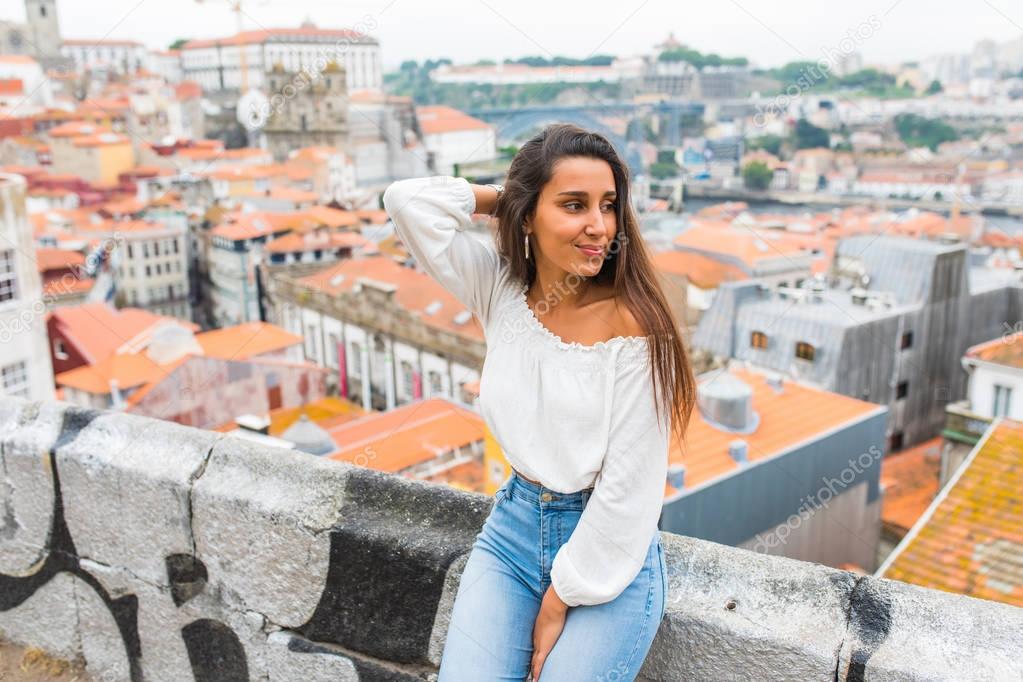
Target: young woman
{"x": 584, "y": 384}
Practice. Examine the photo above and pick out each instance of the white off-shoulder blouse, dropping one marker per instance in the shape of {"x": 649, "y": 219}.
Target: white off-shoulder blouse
{"x": 565, "y": 414}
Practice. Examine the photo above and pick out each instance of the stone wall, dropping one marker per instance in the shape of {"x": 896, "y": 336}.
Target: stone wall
{"x": 160, "y": 552}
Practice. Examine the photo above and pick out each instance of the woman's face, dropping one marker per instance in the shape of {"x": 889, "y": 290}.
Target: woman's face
{"x": 576, "y": 209}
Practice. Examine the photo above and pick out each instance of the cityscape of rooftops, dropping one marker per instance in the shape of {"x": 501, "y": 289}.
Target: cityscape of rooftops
{"x": 192, "y": 229}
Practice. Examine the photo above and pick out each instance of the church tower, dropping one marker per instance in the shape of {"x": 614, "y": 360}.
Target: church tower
{"x": 44, "y": 31}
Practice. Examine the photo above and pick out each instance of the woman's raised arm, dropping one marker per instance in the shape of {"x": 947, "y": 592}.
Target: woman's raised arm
{"x": 432, "y": 216}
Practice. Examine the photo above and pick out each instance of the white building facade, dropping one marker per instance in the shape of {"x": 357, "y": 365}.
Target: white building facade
{"x": 25, "y": 369}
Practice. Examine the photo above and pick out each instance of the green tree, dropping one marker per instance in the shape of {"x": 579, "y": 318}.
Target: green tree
{"x": 756, "y": 175}
{"x": 176, "y": 45}
{"x": 920, "y": 131}
{"x": 934, "y": 88}
{"x": 769, "y": 143}
{"x": 809, "y": 136}
{"x": 662, "y": 170}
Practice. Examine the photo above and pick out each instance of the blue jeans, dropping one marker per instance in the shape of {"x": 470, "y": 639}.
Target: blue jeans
{"x": 490, "y": 636}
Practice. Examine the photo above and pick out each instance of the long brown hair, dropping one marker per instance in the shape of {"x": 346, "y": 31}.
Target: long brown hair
{"x": 627, "y": 267}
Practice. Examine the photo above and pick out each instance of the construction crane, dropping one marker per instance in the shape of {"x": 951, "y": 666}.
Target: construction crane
{"x": 236, "y": 7}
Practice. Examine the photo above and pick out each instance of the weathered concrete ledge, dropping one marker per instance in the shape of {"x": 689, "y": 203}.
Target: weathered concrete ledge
{"x": 160, "y": 552}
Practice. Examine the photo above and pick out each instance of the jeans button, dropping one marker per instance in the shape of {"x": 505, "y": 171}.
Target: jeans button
{"x": 546, "y": 497}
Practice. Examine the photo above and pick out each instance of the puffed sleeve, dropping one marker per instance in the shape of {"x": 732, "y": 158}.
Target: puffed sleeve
{"x": 431, "y": 215}
{"x": 609, "y": 544}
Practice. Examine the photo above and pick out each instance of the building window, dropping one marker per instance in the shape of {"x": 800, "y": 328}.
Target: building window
{"x": 901, "y": 390}
{"x": 895, "y": 442}
{"x": 436, "y": 383}
{"x": 8, "y": 281}
{"x": 59, "y": 351}
{"x": 331, "y": 351}
{"x": 1003, "y": 401}
{"x": 174, "y": 242}
{"x": 407, "y": 378}
{"x": 145, "y": 249}
{"x": 15, "y": 379}
{"x": 156, "y": 248}
{"x": 758, "y": 340}
{"x": 148, "y": 271}
{"x": 907, "y": 340}
{"x": 804, "y": 350}
{"x": 131, "y": 253}
{"x": 355, "y": 366}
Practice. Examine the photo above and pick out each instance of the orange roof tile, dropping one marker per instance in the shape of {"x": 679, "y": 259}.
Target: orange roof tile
{"x": 747, "y": 245}
{"x": 55, "y": 259}
{"x": 295, "y": 242}
{"x": 436, "y": 119}
{"x": 298, "y": 196}
{"x": 253, "y": 37}
{"x": 703, "y": 271}
{"x": 1006, "y": 350}
{"x": 970, "y": 539}
{"x": 100, "y": 140}
{"x": 332, "y": 217}
{"x": 794, "y": 415}
{"x": 98, "y": 329}
{"x": 910, "y": 482}
{"x": 415, "y": 291}
{"x": 408, "y": 435}
{"x": 247, "y": 340}
{"x": 251, "y": 225}
{"x": 131, "y": 370}
{"x": 76, "y": 129}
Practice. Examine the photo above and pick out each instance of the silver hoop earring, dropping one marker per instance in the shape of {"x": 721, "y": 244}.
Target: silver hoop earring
{"x": 527, "y": 246}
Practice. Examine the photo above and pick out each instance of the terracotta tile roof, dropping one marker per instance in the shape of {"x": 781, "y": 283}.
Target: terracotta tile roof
{"x": 438, "y": 119}
{"x": 910, "y": 482}
{"x": 1006, "y": 350}
{"x": 56, "y": 259}
{"x": 252, "y": 225}
{"x": 125, "y": 206}
{"x": 796, "y": 414}
{"x": 11, "y": 86}
{"x": 703, "y": 271}
{"x": 57, "y": 287}
{"x": 970, "y": 540}
{"x": 76, "y": 129}
{"x": 299, "y": 196}
{"x": 747, "y": 245}
{"x": 261, "y": 36}
{"x": 16, "y": 59}
{"x": 97, "y": 330}
{"x": 373, "y": 216}
{"x": 131, "y": 370}
{"x": 83, "y": 42}
{"x": 411, "y": 434}
{"x": 316, "y": 153}
{"x": 295, "y": 242}
{"x": 187, "y": 89}
{"x": 332, "y": 217}
{"x": 100, "y": 140}
{"x": 247, "y": 340}
{"x": 415, "y": 291}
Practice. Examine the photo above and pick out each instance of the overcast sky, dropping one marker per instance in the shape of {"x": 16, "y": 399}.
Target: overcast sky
{"x": 768, "y": 32}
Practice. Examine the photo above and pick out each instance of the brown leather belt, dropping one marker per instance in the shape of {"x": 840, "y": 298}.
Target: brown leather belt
{"x": 526, "y": 478}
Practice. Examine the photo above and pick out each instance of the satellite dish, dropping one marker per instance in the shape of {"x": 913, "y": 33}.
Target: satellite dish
{"x": 253, "y": 110}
